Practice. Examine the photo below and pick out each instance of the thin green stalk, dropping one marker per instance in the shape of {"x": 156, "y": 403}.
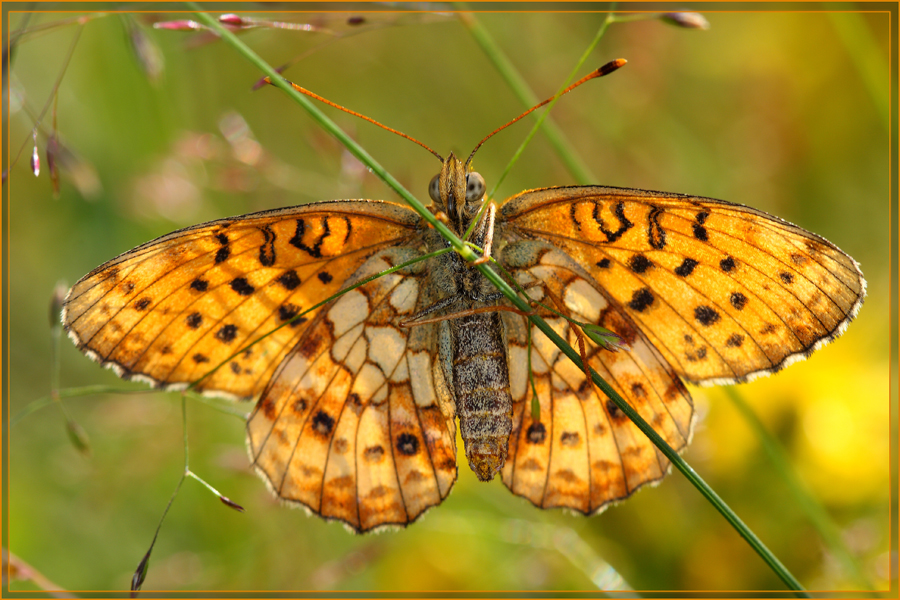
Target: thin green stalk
{"x": 578, "y": 169}
{"x": 823, "y": 523}
{"x": 470, "y": 255}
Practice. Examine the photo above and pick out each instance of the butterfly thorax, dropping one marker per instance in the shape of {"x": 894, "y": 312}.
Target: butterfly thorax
{"x": 477, "y": 360}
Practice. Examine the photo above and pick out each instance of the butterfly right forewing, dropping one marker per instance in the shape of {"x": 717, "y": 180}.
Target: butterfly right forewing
{"x": 725, "y": 292}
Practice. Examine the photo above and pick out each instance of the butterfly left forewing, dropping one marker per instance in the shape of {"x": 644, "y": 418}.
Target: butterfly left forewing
{"x": 173, "y": 309}
{"x": 351, "y": 425}
{"x": 582, "y": 452}
{"x": 723, "y": 291}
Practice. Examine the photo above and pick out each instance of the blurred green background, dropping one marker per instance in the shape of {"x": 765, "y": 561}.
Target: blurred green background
{"x": 784, "y": 111}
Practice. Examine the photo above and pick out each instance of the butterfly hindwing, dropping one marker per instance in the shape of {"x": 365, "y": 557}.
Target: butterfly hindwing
{"x": 351, "y": 425}
{"x": 173, "y": 309}
{"x": 723, "y": 291}
{"x": 582, "y": 452}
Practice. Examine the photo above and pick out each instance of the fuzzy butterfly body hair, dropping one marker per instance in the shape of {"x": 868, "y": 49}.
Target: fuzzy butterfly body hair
{"x": 357, "y": 394}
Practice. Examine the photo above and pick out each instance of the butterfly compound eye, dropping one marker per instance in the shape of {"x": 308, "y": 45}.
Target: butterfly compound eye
{"x": 434, "y": 189}
{"x": 474, "y": 186}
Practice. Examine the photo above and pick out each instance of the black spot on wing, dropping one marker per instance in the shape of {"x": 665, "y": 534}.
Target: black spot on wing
{"x": 227, "y": 333}
{"x": 407, "y": 444}
{"x": 641, "y": 299}
{"x": 706, "y": 315}
{"x": 727, "y": 264}
{"x": 242, "y": 286}
{"x": 639, "y": 263}
{"x": 686, "y": 267}
{"x": 289, "y": 280}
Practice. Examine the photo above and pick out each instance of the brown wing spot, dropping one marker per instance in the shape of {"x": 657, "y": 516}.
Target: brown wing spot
{"x": 227, "y": 333}
{"x": 686, "y": 267}
{"x": 407, "y": 444}
{"x": 700, "y": 354}
{"x": 112, "y": 273}
{"x": 603, "y": 264}
{"x": 222, "y": 238}
{"x": 738, "y": 300}
{"x": 194, "y": 320}
{"x": 289, "y": 280}
{"x": 323, "y": 423}
{"x": 325, "y": 277}
{"x": 567, "y": 475}
{"x": 242, "y": 286}
{"x": 614, "y": 412}
{"x": 355, "y": 403}
{"x": 706, "y": 315}
{"x": 374, "y": 454}
{"x": 599, "y": 429}
{"x": 267, "y": 405}
{"x": 769, "y": 328}
{"x": 675, "y": 389}
{"x": 786, "y": 277}
{"x": 536, "y": 433}
{"x": 531, "y": 465}
{"x": 639, "y": 263}
{"x": 235, "y": 368}
{"x": 341, "y": 445}
{"x": 199, "y": 358}
{"x": 199, "y": 285}
{"x": 735, "y": 341}
{"x": 127, "y": 287}
{"x": 727, "y": 264}
{"x": 637, "y": 389}
{"x": 689, "y": 339}
{"x": 570, "y": 439}
{"x": 165, "y": 350}
{"x": 143, "y": 303}
{"x": 222, "y": 254}
{"x": 641, "y": 300}
{"x": 799, "y": 259}
{"x": 299, "y": 406}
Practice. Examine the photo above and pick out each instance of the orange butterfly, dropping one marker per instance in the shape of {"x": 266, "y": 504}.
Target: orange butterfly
{"x": 358, "y": 398}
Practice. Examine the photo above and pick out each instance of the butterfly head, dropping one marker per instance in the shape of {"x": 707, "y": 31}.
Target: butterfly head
{"x": 457, "y": 191}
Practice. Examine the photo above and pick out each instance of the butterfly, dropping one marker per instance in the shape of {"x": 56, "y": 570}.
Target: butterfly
{"x": 358, "y": 397}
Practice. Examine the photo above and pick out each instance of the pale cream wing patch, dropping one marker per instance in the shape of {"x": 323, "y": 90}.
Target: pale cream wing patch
{"x": 355, "y": 423}
{"x": 582, "y": 452}
{"x": 171, "y": 310}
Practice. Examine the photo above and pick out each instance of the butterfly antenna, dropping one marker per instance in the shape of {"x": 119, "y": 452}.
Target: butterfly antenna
{"x": 315, "y": 96}
{"x": 604, "y": 70}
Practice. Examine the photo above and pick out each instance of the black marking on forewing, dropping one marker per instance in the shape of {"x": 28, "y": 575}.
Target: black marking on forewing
{"x": 641, "y": 299}
{"x": 686, "y": 267}
{"x": 624, "y": 223}
{"x": 316, "y": 249}
{"x": 267, "y": 250}
{"x": 727, "y": 264}
{"x": 656, "y": 235}
{"x": 639, "y": 263}
{"x": 699, "y": 229}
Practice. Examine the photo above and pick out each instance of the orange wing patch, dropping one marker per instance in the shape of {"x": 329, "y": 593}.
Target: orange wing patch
{"x": 351, "y": 426}
{"x": 583, "y": 452}
{"x": 172, "y": 310}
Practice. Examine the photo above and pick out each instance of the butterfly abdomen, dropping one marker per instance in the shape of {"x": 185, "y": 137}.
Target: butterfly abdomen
{"x": 481, "y": 386}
